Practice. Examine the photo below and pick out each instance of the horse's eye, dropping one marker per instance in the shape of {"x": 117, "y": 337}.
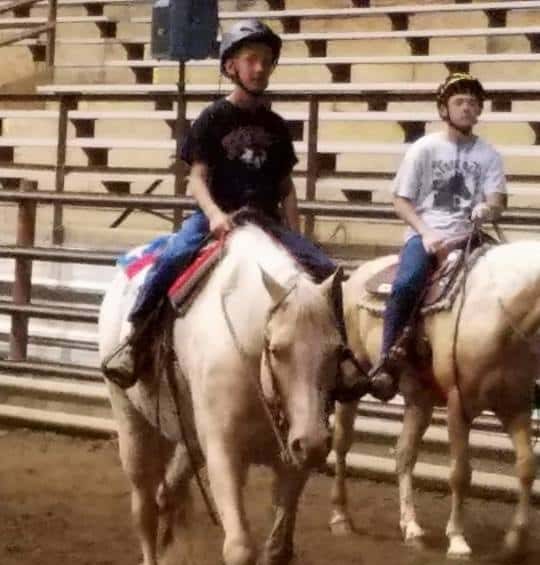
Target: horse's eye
{"x": 278, "y": 351}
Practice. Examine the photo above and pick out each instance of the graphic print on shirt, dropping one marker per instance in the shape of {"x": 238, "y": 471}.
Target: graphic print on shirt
{"x": 454, "y": 185}
{"x": 248, "y": 144}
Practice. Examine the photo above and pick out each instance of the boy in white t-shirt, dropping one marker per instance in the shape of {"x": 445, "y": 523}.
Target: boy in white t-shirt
{"x": 447, "y": 180}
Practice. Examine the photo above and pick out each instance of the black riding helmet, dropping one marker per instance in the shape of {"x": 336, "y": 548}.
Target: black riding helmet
{"x": 248, "y": 31}
{"x": 460, "y": 83}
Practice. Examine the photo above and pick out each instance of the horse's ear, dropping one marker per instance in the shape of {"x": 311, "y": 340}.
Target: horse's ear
{"x": 331, "y": 286}
{"x": 275, "y": 289}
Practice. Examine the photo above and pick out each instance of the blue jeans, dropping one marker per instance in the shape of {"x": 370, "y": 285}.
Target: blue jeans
{"x": 180, "y": 249}
{"x": 187, "y": 241}
{"x": 414, "y": 268}
{"x": 309, "y": 255}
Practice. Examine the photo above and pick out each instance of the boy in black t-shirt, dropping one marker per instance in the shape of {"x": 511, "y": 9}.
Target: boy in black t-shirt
{"x": 241, "y": 154}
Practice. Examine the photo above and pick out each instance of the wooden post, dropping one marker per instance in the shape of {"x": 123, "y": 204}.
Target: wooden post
{"x": 22, "y": 284}
{"x": 51, "y": 34}
{"x": 312, "y": 161}
{"x": 180, "y": 129}
{"x": 66, "y": 104}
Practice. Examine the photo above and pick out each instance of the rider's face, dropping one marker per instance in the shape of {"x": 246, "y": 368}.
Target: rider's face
{"x": 252, "y": 64}
{"x": 463, "y": 110}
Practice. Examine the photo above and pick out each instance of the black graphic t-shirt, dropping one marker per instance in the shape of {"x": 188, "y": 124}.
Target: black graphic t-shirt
{"x": 248, "y": 152}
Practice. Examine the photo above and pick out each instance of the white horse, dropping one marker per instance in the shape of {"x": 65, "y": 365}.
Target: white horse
{"x": 495, "y": 368}
{"x": 260, "y": 328}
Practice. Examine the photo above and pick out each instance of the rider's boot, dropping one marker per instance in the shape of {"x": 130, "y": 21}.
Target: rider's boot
{"x": 384, "y": 377}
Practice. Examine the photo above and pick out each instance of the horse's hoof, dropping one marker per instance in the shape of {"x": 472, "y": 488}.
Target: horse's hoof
{"x": 239, "y": 555}
{"x": 340, "y": 525}
{"x": 276, "y": 557}
{"x": 458, "y": 548}
{"x": 515, "y": 542}
{"x": 413, "y": 535}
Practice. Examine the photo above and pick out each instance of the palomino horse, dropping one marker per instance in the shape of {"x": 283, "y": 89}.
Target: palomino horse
{"x": 492, "y": 367}
{"x": 260, "y": 331}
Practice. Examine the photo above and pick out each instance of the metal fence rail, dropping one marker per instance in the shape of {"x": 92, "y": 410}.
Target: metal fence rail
{"x": 24, "y": 252}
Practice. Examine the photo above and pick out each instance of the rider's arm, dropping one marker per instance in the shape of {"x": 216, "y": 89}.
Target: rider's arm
{"x": 494, "y": 190}
{"x": 220, "y": 222}
{"x": 497, "y": 202}
{"x": 289, "y": 204}
{"x": 405, "y": 209}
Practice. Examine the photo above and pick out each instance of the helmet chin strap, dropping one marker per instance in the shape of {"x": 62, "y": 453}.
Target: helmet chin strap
{"x": 449, "y": 121}
{"x": 464, "y": 131}
{"x": 238, "y": 82}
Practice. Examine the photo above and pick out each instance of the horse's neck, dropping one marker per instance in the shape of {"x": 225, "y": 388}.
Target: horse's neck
{"x": 250, "y": 244}
{"x": 513, "y": 272}
{"x": 245, "y": 297}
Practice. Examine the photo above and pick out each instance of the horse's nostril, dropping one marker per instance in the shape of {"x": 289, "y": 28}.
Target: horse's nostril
{"x": 329, "y": 443}
{"x": 296, "y": 446}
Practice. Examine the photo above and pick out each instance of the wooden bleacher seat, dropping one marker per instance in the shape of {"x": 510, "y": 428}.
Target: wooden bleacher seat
{"x": 398, "y": 14}
{"x": 411, "y": 124}
{"x": 377, "y": 94}
{"x": 30, "y": 21}
{"x": 340, "y": 67}
{"x": 324, "y": 147}
{"x": 289, "y": 115}
{"x": 499, "y": 6}
{"x": 418, "y": 40}
{"x": 105, "y": 25}
{"x": 390, "y": 9}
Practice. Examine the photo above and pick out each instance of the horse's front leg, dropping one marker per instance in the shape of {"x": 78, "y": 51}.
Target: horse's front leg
{"x": 340, "y": 521}
{"x": 416, "y": 419}
{"x": 460, "y": 474}
{"x": 288, "y": 485}
{"x": 142, "y": 453}
{"x": 227, "y": 471}
{"x": 519, "y": 428}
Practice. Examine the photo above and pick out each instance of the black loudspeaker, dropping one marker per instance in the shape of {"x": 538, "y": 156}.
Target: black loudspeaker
{"x": 160, "y": 38}
{"x": 184, "y": 29}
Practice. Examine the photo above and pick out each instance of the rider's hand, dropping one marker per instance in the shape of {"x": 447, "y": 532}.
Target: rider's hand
{"x": 220, "y": 224}
{"x": 481, "y": 213}
{"x": 432, "y": 240}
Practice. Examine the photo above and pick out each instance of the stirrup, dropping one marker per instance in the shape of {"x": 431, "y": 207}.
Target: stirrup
{"x": 352, "y": 380}
{"x": 119, "y": 366}
{"x": 384, "y": 384}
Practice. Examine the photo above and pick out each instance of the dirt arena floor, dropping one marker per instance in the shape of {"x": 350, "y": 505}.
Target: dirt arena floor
{"x": 64, "y": 501}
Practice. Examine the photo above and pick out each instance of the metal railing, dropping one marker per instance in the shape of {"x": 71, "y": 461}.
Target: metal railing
{"x": 24, "y": 252}
{"x": 34, "y": 29}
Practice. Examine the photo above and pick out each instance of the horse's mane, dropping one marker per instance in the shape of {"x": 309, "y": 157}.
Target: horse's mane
{"x": 252, "y": 241}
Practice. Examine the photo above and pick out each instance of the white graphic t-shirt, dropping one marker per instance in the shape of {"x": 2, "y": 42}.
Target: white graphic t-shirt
{"x": 445, "y": 180}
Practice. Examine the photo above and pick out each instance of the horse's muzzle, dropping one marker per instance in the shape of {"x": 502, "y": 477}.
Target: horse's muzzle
{"x": 310, "y": 451}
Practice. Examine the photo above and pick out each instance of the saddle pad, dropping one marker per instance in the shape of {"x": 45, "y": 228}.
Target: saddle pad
{"x": 143, "y": 257}
{"x": 137, "y": 262}
{"x": 189, "y": 278}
